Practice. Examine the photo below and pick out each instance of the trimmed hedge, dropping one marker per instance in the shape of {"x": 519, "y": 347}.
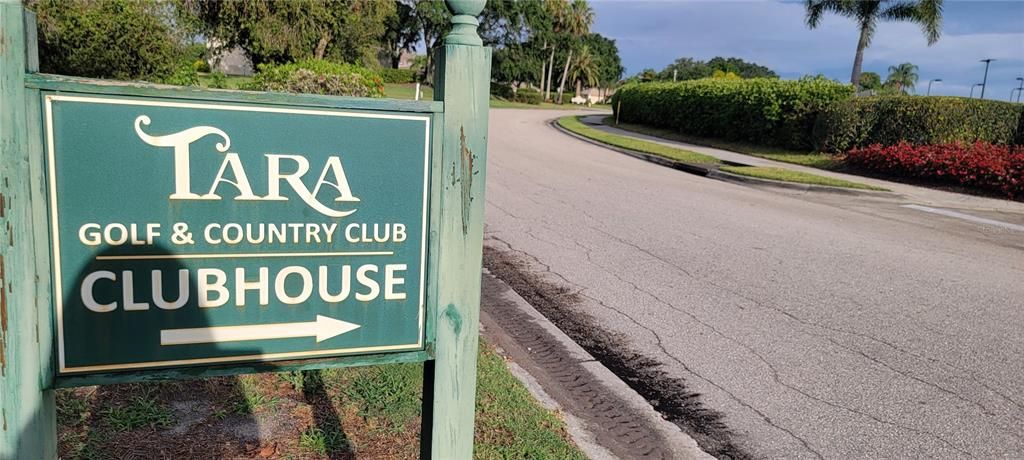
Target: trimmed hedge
{"x": 524, "y": 95}
{"x": 890, "y": 120}
{"x": 398, "y": 75}
{"x": 318, "y": 77}
{"x": 759, "y": 110}
{"x": 998, "y": 168}
{"x": 528, "y": 96}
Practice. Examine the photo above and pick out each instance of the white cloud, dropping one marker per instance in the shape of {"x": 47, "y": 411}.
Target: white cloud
{"x": 652, "y": 34}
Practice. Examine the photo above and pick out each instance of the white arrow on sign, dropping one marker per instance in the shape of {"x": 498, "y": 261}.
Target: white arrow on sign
{"x": 323, "y": 328}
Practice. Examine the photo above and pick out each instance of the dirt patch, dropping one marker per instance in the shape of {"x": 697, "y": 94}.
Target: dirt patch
{"x": 668, "y": 395}
{"x": 260, "y": 416}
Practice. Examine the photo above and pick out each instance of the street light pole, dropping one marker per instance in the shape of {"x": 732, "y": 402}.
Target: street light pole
{"x": 934, "y": 80}
{"x": 984, "y": 79}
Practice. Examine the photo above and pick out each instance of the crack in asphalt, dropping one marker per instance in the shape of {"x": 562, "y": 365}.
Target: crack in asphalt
{"x": 773, "y": 371}
{"x": 581, "y": 292}
{"x": 805, "y": 322}
{"x": 771, "y": 368}
{"x": 966, "y": 372}
{"x": 771, "y": 307}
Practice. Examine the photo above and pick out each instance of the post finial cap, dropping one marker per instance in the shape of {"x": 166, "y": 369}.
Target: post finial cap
{"x": 466, "y": 7}
{"x": 464, "y": 22}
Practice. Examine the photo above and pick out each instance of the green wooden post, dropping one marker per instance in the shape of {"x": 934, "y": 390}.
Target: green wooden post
{"x": 27, "y": 415}
{"x": 463, "y": 79}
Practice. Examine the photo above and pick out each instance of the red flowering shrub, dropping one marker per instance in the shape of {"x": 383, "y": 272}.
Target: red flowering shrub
{"x": 998, "y": 168}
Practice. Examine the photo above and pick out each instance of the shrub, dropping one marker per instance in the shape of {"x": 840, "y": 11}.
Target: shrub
{"x": 759, "y": 110}
{"x": 528, "y": 96}
{"x": 998, "y": 168}
{"x": 119, "y": 39}
{"x": 201, "y": 65}
{"x": 218, "y": 80}
{"x": 318, "y": 77}
{"x": 523, "y": 95}
{"x": 184, "y": 75}
{"x": 398, "y": 75}
{"x": 889, "y": 120}
{"x": 502, "y": 90}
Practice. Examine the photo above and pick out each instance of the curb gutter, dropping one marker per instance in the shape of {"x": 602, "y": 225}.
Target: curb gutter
{"x": 714, "y": 173}
{"x": 604, "y": 416}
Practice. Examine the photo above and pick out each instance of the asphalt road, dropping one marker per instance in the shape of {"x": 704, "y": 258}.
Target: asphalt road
{"x": 820, "y": 325}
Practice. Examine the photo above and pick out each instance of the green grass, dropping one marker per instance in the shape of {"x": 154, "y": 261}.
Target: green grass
{"x": 505, "y": 104}
{"x": 295, "y": 378}
{"x": 252, "y": 399}
{"x": 143, "y": 410}
{"x": 377, "y": 410}
{"x": 389, "y": 392}
{"x": 407, "y": 91}
{"x": 786, "y": 175}
{"x": 322, "y": 442}
{"x": 72, "y": 407}
{"x": 812, "y": 159}
{"x": 233, "y": 81}
{"x": 509, "y": 423}
{"x": 572, "y": 123}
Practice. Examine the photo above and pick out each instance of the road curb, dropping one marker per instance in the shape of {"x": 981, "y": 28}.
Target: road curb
{"x": 686, "y": 167}
{"x": 591, "y": 439}
{"x": 748, "y": 180}
{"x": 715, "y": 173}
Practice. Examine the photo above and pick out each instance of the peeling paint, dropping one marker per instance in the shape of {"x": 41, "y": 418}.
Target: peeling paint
{"x": 466, "y": 179}
{"x": 454, "y": 317}
{"x": 3, "y": 319}
{"x": 3, "y": 208}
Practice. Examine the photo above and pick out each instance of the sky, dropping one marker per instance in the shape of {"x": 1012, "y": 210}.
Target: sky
{"x": 652, "y": 34}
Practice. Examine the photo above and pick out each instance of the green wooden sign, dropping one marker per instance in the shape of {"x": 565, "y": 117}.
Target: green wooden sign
{"x": 188, "y": 233}
{"x": 154, "y": 232}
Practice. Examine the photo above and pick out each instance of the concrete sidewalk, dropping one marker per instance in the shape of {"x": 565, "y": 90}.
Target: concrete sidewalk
{"x": 903, "y": 192}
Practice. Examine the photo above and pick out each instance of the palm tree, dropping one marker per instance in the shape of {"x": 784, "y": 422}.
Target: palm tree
{"x": 559, "y": 11}
{"x": 867, "y": 14}
{"x": 903, "y": 77}
{"x": 584, "y": 69}
{"x": 577, "y": 24}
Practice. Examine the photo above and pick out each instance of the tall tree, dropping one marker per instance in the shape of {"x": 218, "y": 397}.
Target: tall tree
{"x": 867, "y": 14}
{"x": 120, "y": 39}
{"x": 402, "y": 32}
{"x": 870, "y": 81}
{"x": 692, "y": 69}
{"x": 558, "y": 11}
{"x": 519, "y": 32}
{"x": 577, "y": 24}
{"x": 434, "y": 20}
{"x": 606, "y": 57}
{"x": 741, "y": 68}
{"x": 585, "y": 69}
{"x": 285, "y": 31}
{"x": 902, "y": 77}
{"x": 685, "y": 69}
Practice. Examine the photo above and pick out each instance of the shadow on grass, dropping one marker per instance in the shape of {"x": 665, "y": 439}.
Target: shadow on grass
{"x": 327, "y": 436}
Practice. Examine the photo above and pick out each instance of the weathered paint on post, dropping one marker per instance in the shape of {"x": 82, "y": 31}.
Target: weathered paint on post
{"x": 463, "y": 76}
{"x": 27, "y": 416}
